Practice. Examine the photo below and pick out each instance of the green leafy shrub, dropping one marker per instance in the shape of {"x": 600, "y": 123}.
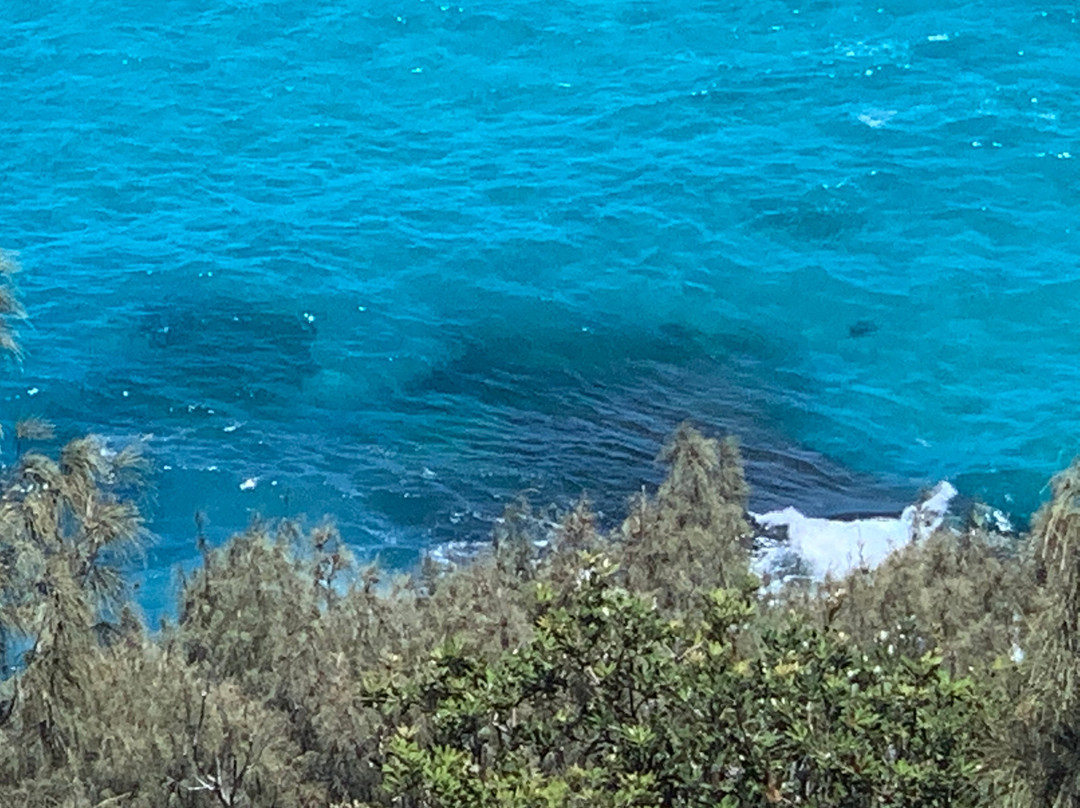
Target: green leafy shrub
{"x": 650, "y": 712}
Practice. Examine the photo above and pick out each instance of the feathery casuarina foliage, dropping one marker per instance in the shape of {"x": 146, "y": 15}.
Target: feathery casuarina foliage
{"x": 1050, "y": 702}
{"x": 10, "y": 307}
{"x": 637, "y": 668}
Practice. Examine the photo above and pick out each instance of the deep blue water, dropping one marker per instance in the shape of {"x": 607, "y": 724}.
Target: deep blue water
{"x": 400, "y": 262}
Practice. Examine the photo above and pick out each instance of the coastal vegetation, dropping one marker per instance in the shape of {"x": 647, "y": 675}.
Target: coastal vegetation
{"x": 566, "y": 665}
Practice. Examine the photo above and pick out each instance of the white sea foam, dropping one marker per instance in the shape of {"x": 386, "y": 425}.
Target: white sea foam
{"x": 876, "y": 118}
{"x": 831, "y": 546}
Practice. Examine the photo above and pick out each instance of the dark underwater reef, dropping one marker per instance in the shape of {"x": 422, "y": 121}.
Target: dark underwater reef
{"x": 493, "y": 403}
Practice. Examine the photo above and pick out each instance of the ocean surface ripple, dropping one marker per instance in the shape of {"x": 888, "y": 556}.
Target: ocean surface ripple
{"x": 402, "y": 262}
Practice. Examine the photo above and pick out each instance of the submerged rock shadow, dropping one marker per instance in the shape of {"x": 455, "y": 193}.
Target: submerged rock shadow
{"x": 589, "y": 412}
{"x": 222, "y": 349}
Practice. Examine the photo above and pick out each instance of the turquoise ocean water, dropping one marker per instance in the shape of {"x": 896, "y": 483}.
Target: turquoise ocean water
{"x": 401, "y": 261}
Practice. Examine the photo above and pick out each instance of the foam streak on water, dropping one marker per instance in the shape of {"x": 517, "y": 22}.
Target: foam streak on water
{"x": 398, "y": 262}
